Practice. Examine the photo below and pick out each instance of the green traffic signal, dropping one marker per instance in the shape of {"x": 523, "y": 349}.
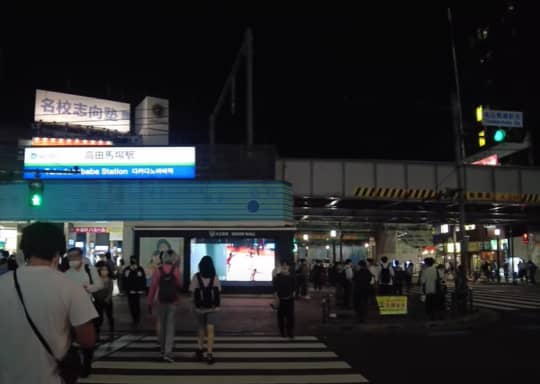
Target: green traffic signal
{"x": 36, "y": 200}
{"x": 36, "y": 193}
{"x": 499, "y": 135}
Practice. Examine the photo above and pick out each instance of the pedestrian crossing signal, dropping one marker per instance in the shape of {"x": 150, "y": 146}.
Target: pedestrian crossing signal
{"x": 525, "y": 238}
{"x": 35, "y": 193}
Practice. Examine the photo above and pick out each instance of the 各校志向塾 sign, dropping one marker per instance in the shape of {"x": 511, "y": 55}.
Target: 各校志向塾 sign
{"x": 64, "y": 108}
{"x": 109, "y": 162}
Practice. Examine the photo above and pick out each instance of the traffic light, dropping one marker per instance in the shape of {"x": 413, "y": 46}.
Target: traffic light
{"x": 35, "y": 196}
{"x": 499, "y": 135}
{"x": 525, "y": 238}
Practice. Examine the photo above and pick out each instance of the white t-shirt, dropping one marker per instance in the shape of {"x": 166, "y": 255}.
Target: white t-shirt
{"x": 81, "y": 278}
{"x": 54, "y": 303}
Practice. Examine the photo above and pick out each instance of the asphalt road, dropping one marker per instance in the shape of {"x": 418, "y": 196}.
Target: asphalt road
{"x": 505, "y": 351}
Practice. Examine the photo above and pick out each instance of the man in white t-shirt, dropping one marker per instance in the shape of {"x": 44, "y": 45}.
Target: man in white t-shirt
{"x": 54, "y": 303}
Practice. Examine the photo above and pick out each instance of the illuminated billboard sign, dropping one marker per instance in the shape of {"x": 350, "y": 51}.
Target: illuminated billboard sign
{"x": 490, "y": 160}
{"x": 63, "y": 108}
{"x": 110, "y": 162}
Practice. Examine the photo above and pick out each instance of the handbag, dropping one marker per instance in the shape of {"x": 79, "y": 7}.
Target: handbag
{"x": 69, "y": 368}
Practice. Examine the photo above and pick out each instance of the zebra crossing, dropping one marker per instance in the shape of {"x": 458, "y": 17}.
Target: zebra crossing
{"x": 501, "y": 297}
{"x": 239, "y": 360}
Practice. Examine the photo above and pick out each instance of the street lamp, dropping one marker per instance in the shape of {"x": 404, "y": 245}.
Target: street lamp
{"x": 497, "y": 233}
{"x": 333, "y": 235}
{"x": 305, "y": 237}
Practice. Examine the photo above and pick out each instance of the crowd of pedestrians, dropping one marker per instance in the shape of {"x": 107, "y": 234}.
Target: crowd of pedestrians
{"x": 55, "y": 305}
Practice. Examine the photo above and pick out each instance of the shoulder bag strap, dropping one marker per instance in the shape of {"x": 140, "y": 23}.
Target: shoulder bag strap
{"x": 88, "y": 272}
{"x": 34, "y": 328}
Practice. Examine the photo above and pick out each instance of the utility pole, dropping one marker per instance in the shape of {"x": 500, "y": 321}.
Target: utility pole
{"x": 245, "y": 52}
{"x": 457, "y": 120}
{"x": 249, "y": 87}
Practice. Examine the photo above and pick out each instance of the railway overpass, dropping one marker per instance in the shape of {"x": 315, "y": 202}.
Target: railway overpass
{"x": 357, "y": 192}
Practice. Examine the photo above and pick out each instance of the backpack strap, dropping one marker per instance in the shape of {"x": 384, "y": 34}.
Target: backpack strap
{"x": 87, "y": 269}
{"x": 199, "y": 279}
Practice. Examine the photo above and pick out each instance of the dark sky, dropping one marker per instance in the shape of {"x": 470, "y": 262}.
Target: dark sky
{"x": 341, "y": 82}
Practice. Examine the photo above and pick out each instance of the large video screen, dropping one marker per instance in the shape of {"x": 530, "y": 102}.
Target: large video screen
{"x": 236, "y": 260}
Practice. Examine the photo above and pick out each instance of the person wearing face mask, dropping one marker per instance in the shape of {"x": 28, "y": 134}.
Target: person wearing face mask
{"x": 103, "y": 297}
{"x": 87, "y": 277}
{"x": 59, "y": 309}
{"x": 134, "y": 280}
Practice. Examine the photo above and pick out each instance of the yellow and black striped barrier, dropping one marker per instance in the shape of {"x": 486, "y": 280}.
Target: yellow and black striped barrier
{"x": 428, "y": 194}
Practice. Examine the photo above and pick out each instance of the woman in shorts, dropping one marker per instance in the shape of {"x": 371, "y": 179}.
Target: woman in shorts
{"x": 206, "y": 291}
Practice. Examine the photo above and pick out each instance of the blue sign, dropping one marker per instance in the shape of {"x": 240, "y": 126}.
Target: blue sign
{"x": 110, "y": 163}
{"x": 114, "y": 172}
{"x": 509, "y": 119}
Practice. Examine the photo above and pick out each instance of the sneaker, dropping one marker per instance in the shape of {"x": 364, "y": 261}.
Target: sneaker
{"x": 168, "y": 359}
{"x": 210, "y": 359}
{"x": 199, "y": 355}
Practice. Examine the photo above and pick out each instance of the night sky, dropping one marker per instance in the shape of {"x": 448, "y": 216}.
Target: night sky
{"x": 337, "y": 82}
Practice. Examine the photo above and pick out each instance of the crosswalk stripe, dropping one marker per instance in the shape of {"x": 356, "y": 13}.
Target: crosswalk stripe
{"x": 233, "y": 379}
{"x": 218, "y": 366}
{"x": 520, "y": 303}
{"x": 193, "y": 346}
{"x": 236, "y": 355}
{"x": 238, "y": 338}
{"x": 492, "y": 306}
{"x": 108, "y": 348}
{"x": 499, "y": 299}
{"x": 525, "y": 299}
{"x": 502, "y": 303}
{"x": 239, "y": 360}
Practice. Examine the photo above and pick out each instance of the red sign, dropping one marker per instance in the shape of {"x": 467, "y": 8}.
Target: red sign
{"x": 90, "y": 229}
{"x": 490, "y": 160}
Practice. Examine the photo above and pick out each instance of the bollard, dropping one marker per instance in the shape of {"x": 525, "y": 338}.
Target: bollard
{"x": 324, "y": 304}
{"x": 470, "y": 298}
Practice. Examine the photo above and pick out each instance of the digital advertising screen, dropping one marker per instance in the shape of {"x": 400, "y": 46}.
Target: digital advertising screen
{"x": 246, "y": 260}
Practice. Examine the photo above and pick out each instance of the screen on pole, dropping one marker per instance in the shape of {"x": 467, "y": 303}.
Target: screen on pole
{"x": 247, "y": 259}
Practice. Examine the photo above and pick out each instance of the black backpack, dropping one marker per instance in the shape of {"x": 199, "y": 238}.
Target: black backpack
{"x": 206, "y": 297}
{"x": 385, "y": 274}
{"x": 167, "y": 286}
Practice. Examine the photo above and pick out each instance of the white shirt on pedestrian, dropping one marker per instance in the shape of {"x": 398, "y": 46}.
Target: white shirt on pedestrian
{"x": 81, "y": 278}
{"x": 429, "y": 278}
{"x": 55, "y": 304}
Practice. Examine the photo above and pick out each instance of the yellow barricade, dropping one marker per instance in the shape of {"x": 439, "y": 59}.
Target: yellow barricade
{"x": 392, "y": 305}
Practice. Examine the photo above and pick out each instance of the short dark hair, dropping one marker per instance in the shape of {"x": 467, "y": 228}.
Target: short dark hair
{"x": 42, "y": 240}
{"x": 206, "y": 267}
{"x": 362, "y": 264}
{"x": 384, "y": 259}
{"x": 76, "y": 249}
{"x": 103, "y": 264}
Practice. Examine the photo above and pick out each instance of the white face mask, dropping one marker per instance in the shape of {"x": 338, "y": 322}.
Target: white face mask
{"x": 75, "y": 264}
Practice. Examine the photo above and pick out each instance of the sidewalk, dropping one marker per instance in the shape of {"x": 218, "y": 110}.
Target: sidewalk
{"x": 252, "y": 314}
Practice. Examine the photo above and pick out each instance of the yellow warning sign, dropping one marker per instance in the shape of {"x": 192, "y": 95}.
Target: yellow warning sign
{"x": 392, "y": 305}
